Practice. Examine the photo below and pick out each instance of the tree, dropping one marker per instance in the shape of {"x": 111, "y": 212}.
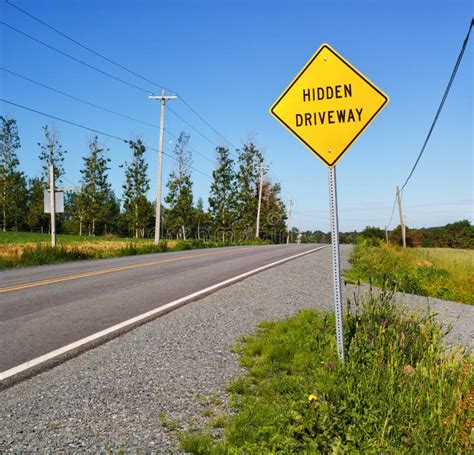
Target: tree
{"x": 223, "y": 195}
{"x": 136, "y": 205}
{"x": 74, "y": 212}
{"x": 36, "y": 219}
{"x": 250, "y": 158}
{"x": 202, "y": 220}
{"x": 96, "y": 189}
{"x": 372, "y": 232}
{"x": 112, "y": 214}
{"x": 180, "y": 190}
{"x": 272, "y": 213}
{"x": 13, "y": 190}
{"x": 52, "y": 152}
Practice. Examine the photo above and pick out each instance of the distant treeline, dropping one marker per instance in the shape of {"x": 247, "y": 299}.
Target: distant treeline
{"x": 454, "y": 235}
{"x": 96, "y": 210}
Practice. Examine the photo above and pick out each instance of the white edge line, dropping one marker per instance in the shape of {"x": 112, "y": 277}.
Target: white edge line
{"x": 76, "y": 344}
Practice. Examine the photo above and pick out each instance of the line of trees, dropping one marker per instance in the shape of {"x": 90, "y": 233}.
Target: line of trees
{"x": 96, "y": 209}
{"x": 453, "y": 235}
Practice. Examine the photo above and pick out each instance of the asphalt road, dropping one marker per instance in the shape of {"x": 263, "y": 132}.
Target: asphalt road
{"x": 45, "y": 308}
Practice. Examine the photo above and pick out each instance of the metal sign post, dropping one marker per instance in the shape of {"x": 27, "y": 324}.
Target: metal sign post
{"x": 336, "y": 272}
{"x": 327, "y": 106}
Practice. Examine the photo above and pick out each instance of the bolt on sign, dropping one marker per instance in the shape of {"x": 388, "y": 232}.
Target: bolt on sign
{"x": 328, "y": 105}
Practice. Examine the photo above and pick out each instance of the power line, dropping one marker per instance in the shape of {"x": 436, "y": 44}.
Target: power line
{"x": 191, "y": 149}
{"x": 206, "y": 122}
{"x": 94, "y": 130}
{"x": 438, "y": 112}
{"x": 393, "y": 211}
{"x": 98, "y": 107}
{"x": 123, "y": 81}
{"x": 451, "y": 79}
{"x": 192, "y": 127}
{"x": 119, "y": 65}
{"x": 104, "y": 73}
{"x": 40, "y": 84}
{"x": 98, "y": 54}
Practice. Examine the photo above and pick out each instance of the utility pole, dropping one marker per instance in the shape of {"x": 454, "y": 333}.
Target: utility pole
{"x": 402, "y": 223}
{"x": 261, "y": 169}
{"x": 163, "y": 99}
{"x": 290, "y": 203}
{"x": 386, "y": 234}
{"x": 52, "y": 195}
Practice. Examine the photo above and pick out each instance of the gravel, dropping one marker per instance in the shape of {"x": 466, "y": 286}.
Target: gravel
{"x": 129, "y": 392}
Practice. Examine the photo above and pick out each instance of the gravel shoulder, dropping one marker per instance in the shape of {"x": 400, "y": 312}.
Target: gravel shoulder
{"x": 111, "y": 398}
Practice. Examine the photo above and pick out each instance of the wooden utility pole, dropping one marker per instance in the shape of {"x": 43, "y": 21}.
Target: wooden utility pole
{"x": 386, "y": 234}
{"x": 52, "y": 196}
{"x": 402, "y": 223}
{"x": 163, "y": 99}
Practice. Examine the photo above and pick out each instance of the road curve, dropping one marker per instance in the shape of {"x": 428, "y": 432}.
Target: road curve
{"x": 46, "y": 308}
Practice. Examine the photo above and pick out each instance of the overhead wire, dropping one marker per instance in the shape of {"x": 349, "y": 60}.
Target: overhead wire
{"x": 106, "y": 74}
{"x": 435, "y": 120}
{"x": 119, "y": 65}
{"x": 94, "y": 130}
{"x": 68, "y": 95}
{"x": 94, "y": 68}
{"x": 89, "y": 49}
{"x": 440, "y": 108}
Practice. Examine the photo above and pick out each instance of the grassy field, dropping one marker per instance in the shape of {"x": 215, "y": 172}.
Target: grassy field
{"x": 23, "y": 249}
{"x": 437, "y": 272}
{"x": 398, "y": 391}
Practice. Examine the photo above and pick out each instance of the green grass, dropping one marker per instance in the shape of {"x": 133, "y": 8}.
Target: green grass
{"x": 22, "y": 249}
{"x": 12, "y": 238}
{"x": 437, "y": 272}
{"x": 399, "y": 390}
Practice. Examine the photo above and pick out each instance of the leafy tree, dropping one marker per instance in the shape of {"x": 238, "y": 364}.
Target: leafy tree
{"x": 180, "y": 190}
{"x": 13, "y": 191}
{"x": 272, "y": 213}
{"x": 223, "y": 195}
{"x": 74, "y": 212}
{"x": 52, "y": 152}
{"x": 372, "y": 232}
{"x": 96, "y": 189}
{"x": 250, "y": 158}
{"x": 136, "y": 205}
{"x": 36, "y": 219}
{"x": 202, "y": 220}
{"x": 112, "y": 214}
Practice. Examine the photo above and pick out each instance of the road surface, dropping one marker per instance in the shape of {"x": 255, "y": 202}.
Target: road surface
{"x": 43, "y": 309}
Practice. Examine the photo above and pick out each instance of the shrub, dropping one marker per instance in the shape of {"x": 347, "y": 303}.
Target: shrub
{"x": 398, "y": 391}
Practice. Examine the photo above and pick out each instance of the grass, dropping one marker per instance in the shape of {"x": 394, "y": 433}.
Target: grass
{"x": 11, "y": 238}
{"x": 23, "y": 249}
{"x": 437, "y": 272}
{"x": 399, "y": 390}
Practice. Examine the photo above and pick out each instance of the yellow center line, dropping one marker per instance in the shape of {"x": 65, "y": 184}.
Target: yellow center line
{"x": 77, "y": 276}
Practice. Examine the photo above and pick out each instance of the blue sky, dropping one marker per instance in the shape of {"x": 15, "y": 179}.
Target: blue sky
{"x": 230, "y": 60}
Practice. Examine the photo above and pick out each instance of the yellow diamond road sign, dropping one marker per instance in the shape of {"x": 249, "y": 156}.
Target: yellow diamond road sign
{"x": 328, "y": 105}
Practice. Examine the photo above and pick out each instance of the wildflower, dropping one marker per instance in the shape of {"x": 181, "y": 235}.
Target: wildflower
{"x": 408, "y": 370}
{"x": 312, "y": 398}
